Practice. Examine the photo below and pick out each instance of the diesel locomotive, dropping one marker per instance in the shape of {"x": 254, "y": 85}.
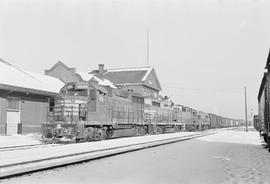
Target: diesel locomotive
{"x": 87, "y": 111}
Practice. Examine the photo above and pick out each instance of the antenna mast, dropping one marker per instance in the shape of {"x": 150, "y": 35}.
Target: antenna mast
{"x": 147, "y": 47}
{"x": 246, "y": 108}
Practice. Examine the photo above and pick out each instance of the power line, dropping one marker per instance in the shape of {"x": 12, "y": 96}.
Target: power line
{"x": 222, "y": 90}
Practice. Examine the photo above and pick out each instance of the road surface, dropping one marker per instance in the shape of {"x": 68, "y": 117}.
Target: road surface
{"x": 204, "y": 160}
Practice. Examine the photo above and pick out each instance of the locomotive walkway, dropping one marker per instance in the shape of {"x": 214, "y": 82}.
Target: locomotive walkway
{"x": 21, "y": 161}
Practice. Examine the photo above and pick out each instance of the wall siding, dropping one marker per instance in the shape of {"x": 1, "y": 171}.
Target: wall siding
{"x": 33, "y": 114}
{"x": 3, "y": 115}
{"x": 33, "y": 111}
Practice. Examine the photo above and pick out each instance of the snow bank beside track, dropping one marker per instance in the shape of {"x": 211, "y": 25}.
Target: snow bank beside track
{"x": 23, "y": 161}
{"x": 238, "y": 136}
{"x": 19, "y": 140}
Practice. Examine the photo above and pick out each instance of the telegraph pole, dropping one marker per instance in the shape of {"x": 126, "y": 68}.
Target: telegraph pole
{"x": 246, "y": 108}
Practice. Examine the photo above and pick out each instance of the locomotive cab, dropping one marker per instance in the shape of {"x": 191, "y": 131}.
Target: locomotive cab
{"x": 68, "y": 112}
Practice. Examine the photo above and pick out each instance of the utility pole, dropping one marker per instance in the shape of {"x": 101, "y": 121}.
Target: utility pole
{"x": 147, "y": 47}
{"x": 246, "y": 108}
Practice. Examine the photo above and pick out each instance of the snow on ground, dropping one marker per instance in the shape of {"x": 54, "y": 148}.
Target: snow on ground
{"x": 187, "y": 162}
{"x": 56, "y": 151}
{"x": 19, "y": 140}
{"x": 239, "y": 136}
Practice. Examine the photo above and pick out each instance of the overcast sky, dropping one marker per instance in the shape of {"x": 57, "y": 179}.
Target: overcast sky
{"x": 204, "y": 51}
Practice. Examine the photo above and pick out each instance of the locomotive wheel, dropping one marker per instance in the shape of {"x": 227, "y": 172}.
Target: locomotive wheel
{"x": 137, "y": 130}
{"x": 97, "y": 137}
{"x": 109, "y": 134}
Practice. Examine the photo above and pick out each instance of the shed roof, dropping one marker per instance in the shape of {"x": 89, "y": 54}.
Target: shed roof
{"x": 13, "y": 76}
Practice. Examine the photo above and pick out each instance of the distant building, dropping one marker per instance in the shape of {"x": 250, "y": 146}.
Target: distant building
{"x": 142, "y": 80}
{"x": 25, "y": 99}
{"x": 66, "y": 75}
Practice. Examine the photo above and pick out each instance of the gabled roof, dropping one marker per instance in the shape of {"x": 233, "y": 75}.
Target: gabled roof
{"x": 13, "y": 76}
{"x": 128, "y": 75}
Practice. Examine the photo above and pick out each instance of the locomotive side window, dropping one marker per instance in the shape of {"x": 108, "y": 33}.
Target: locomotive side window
{"x": 77, "y": 92}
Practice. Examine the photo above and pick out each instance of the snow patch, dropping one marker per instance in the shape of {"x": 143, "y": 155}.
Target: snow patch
{"x": 232, "y": 136}
{"x": 103, "y": 82}
{"x": 19, "y": 140}
{"x": 222, "y": 158}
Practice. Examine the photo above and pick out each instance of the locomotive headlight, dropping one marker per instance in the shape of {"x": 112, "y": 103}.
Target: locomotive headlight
{"x": 58, "y": 126}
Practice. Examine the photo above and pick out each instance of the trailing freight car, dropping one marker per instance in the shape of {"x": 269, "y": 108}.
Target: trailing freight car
{"x": 263, "y": 105}
{"x": 256, "y": 122}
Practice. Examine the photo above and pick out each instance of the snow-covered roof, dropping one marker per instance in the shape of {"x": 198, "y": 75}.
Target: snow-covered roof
{"x": 103, "y": 82}
{"x": 13, "y": 76}
{"x": 141, "y": 73}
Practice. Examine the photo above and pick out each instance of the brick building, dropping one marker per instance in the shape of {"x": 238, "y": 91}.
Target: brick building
{"x": 142, "y": 80}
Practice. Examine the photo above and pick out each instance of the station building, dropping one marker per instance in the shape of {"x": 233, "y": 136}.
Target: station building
{"x": 142, "y": 80}
{"x": 25, "y": 99}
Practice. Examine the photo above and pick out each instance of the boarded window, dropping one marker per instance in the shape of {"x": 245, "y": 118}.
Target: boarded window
{"x": 13, "y": 104}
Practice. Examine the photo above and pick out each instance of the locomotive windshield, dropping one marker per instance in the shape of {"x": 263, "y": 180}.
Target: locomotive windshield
{"x": 76, "y": 90}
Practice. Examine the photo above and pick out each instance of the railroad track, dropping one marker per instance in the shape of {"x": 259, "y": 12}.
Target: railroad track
{"x": 35, "y": 165}
{"x": 32, "y": 146}
{"x": 24, "y": 147}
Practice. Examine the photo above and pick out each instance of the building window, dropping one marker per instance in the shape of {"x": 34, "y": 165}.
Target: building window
{"x": 13, "y": 104}
{"x": 155, "y": 95}
{"x": 156, "y": 104}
